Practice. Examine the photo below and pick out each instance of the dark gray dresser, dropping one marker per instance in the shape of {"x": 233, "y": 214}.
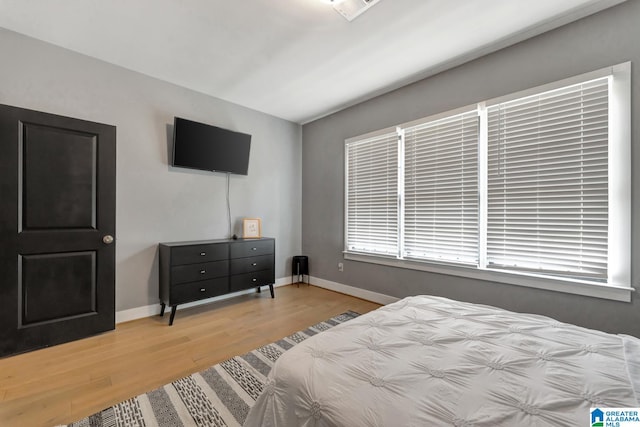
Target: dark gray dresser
{"x": 192, "y": 271}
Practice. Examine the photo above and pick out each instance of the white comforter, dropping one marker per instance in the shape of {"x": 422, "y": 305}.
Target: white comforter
{"x": 428, "y": 361}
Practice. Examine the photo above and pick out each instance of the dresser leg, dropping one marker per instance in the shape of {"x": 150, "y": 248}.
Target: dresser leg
{"x": 173, "y": 314}
{"x": 271, "y": 290}
{"x": 162, "y": 306}
{"x": 258, "y": 290}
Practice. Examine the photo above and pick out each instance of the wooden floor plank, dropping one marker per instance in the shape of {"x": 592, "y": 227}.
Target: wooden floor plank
{"x": 64, "y": 383}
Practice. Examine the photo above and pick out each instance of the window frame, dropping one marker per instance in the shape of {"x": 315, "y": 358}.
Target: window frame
{"x": 618, "y": 286}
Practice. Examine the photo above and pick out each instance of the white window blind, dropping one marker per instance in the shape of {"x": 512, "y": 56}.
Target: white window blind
{"x": 548, "y": 182}
{"x": 372, "y": 194}
{"x": 532, "y": 189}
{"x": 441, "y": 189}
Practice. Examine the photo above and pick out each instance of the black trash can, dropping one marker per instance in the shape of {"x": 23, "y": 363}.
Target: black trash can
{"x": 300, "y": 267}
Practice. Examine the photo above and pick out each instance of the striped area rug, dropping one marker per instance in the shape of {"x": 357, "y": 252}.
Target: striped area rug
{"x": 219, "y": 396}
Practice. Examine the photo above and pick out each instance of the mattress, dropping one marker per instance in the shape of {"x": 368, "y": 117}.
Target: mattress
{"x": 430, "y": 361}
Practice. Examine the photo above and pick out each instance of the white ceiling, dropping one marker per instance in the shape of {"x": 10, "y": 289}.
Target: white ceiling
{"x": 294, "y": 59}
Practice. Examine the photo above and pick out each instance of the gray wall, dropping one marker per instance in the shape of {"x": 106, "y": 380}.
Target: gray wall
{"x": 604, "y": 39}
{"x": 156, "y": 203}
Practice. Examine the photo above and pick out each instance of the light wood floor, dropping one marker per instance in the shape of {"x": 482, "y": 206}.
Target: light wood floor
{"x": 67, "y": 382}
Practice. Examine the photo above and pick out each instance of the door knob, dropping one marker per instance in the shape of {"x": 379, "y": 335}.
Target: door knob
{"x": 108, "y": 239}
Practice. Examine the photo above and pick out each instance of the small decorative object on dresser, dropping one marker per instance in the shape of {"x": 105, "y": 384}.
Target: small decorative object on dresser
{"x": 192, "y": 271}
{"x": 251, "y": 228}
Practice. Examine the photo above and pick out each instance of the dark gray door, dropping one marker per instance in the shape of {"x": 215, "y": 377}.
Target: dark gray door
{"x": 57, "y": 225}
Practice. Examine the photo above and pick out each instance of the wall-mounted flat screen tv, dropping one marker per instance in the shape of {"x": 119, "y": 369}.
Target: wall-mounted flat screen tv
{"x": 201, "y": 146}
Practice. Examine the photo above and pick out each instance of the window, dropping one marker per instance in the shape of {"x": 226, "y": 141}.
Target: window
{"x": 548, "y": 182}
{"x": 441, "y": 189}
{"x": 532, "y": 189}
{"x": 372, "y": 194}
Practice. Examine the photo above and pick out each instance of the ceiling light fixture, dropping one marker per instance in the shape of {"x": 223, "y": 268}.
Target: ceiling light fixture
{"x": 351, "y": 9}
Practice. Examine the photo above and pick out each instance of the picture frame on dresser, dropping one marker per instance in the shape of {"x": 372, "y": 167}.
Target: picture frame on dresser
{"x": 251, "y": 228}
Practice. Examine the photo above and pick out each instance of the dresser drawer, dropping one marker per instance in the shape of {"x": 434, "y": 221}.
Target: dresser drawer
{"x": 194, "y": 254}
{"x": 247, "y": 265}
{"x": 187, "y": 292}
{"x": 251, "y": 248}
{"x": 193, "y": 272}
{"x": 250, "y": 280}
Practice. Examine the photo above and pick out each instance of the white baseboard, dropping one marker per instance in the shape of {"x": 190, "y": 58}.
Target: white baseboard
{"x": 154, "y": 309}
{"x": 353, "y": 291}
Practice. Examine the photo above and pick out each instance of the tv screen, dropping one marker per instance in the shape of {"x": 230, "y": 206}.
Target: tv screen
{"x": 200, "y": 146}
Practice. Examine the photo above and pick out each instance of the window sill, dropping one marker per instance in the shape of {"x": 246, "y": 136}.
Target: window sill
{"x": 616, "y": 293}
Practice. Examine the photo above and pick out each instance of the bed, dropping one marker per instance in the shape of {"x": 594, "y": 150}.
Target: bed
{"x": 431, "y": 361}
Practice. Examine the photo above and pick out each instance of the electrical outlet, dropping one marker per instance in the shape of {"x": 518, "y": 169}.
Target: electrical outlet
{"x": 340, "y": 266}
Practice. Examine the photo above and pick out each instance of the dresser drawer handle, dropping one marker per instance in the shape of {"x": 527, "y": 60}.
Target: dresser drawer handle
{"x": 202, "y": 271}
{"x": 202, "y": 289}
{"x": 254, "y": 249}
{"x": 254, "y": 263}
{"x": 254, "y": 280}
{"x": 203, "y": 253}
